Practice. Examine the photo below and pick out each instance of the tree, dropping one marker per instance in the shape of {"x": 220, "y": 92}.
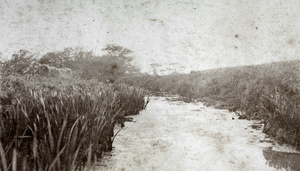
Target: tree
{"x": 59, "y": 59}
{"x": 154, "y": 67}
{"x": 117, "y": 63}
{"x": 119, "y": 51}
{"x": 110, "y": 67}
{"x": 20, "y": 63}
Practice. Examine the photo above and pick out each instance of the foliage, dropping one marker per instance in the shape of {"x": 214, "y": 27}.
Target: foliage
{"x": 57, "y": 122}
{"x": 57, "y": 59}
{"x": 270, "y": 92}
{"x": 111, "y": 67}
{"x": 59, "y": 128}
{"x": 18, "y": 64}
{"x": 114, "y": 50}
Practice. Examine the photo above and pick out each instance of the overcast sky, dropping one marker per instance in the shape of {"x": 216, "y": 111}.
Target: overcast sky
{"x": 177, "y": 34}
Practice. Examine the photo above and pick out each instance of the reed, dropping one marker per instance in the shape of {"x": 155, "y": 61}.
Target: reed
{"x": 63, "y": 127}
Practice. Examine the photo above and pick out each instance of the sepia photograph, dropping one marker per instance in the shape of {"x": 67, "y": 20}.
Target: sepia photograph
{"x": 149, "y": 85}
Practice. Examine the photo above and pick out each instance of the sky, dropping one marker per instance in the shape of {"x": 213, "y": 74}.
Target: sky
{"x": 175, "y": 35}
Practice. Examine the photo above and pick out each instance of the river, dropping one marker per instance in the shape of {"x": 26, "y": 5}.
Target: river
{"x": 178, "y": 136}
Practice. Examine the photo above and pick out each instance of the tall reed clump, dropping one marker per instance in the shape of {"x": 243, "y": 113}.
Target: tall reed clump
{"x": 279, "y": 103}
{"x": 133, "y": 104}
{"x": 65, "y": 127}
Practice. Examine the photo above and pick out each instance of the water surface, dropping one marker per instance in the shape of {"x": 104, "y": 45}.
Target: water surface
{"x": 178, "y": 136}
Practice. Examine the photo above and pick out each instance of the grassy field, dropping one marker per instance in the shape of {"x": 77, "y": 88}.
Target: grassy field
{"x": 52, "y": 119}
{"x": 270, "y": 92}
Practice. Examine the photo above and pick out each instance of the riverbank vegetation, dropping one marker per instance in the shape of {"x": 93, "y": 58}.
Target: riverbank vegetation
{"x": 58, "y": 112}
{"x": 270, "y": 92}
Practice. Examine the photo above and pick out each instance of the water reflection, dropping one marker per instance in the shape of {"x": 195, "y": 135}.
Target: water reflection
{"x": 282, "y": 160}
